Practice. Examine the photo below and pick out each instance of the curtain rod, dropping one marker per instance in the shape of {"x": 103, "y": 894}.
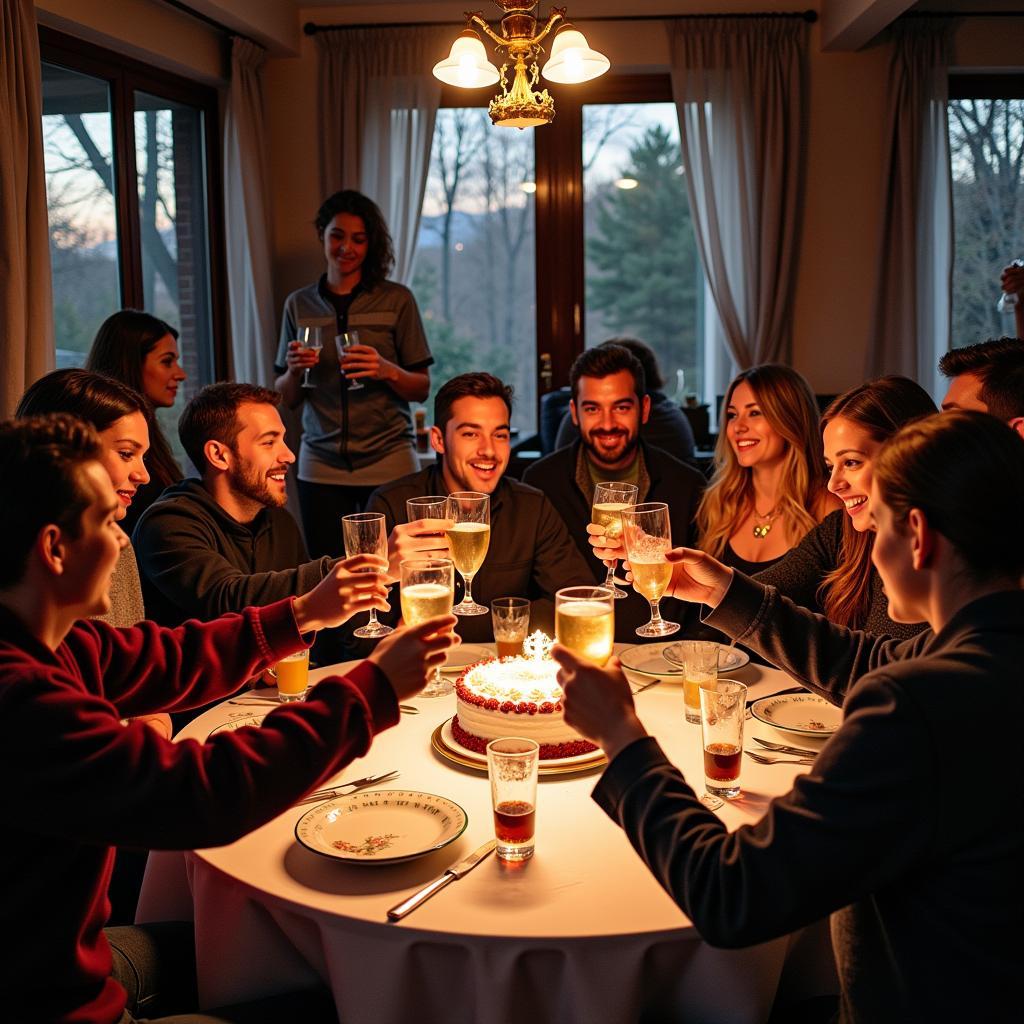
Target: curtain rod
{"x": 178, "y": 5}
{"x": 311, "y": 28}
{"x": 963, "y": 14}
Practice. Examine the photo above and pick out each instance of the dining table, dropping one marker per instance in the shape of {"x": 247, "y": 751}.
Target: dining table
{"x": 579, "y": 932}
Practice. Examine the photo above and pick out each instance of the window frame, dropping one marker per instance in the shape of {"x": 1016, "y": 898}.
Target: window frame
{"x": 125, "y": 76}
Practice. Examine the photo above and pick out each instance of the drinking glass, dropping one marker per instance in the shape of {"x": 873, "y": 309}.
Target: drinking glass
{"x": 585, "y": 621}
{"x": 365, "y": 534}
{"x": 469, "y": 536}
{"x": 700, "y": 666}
{"x": 433, "y": 506}
{"x": 428, "y": 590}
{"x": 343, "y": 341}
{"x": 309, "y": 337}
{"x": 292, "y": 675}
{"x": 609, "y": 501}
{"x": 647, "y": 533}
{"x": 512, "y": 768}
{"x": 510, "y": 617}
{"x": 723, "y": 706}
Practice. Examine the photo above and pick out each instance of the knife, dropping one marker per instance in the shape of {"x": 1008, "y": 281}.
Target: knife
{"x": 399, "y": 911}
{"x": 784, "y": 748}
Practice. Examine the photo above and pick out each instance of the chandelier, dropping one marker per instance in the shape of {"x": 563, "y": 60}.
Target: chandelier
{"x": 572, "y": 61}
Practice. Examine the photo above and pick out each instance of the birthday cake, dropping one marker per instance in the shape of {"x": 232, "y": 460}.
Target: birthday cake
{"x": 516, "y": 697}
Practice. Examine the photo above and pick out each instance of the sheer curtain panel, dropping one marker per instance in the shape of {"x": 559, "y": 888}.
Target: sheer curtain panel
{"x": 247, "y": 219}
{"x": 913, "y": 300}
{"x": 26, "y": 308}
{"x": 739, "y": 87}
{"x": 377, "y": 104}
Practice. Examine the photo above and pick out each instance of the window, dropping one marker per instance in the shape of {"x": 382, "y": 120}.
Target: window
{"x": 129, "y": 181}
{"x": 986, "y": 138}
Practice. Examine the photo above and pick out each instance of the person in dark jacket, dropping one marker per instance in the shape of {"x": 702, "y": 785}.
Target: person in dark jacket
{"x": 988, "y": 377}
{"x": 610, "y": 405}
{"x": 901, "y": 830}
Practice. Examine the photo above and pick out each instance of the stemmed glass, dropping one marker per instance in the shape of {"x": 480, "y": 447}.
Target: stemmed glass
{"x": 469, "y": 536}
{"x": 609, "y": 501}
{"x": 648, "y": 535}
{"x": 428, "y": 590}
{"x": 365, "y": 534}
{"x": 343, "y": 341}
{"x": 309, "y": 337}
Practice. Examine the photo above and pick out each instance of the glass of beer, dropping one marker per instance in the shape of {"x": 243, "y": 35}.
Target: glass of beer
{"x": 292, "y": 675}
{"x": 427, "y": 591}
{"x": 510, "y": 617}
{"x": 365, "y": 534}
{"x": 700, "y": 666}
{"x": 469, "y": 536}
{"x": 609, "y": 501}
{"x": 585, "y": 621}
{"x": 309, "y": 337}
{"x": 341, "y": 342}
{"x": 647, "y": 533}
{"x": 723, "y": 706}
{"x": 512, "y": 769}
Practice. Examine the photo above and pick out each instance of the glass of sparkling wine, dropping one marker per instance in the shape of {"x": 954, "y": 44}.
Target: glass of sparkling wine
{"x": 609, "y": 501}
{"x": 292, "y": 675}
{"x": 309, "y": 337}
{"x": 723, "y": 706}
{"x": 469, "y": 536}
{"x": 585, "y": 621}
{"x": 647, "y": 533}
{"x": 700, "y": 666}
{"x": 343, "y": 341}
{"x": 512, "y": 769}
{"x": 365, "y": 534}
{"x": 510, "y": 617}
{"x": 428, "y": 590}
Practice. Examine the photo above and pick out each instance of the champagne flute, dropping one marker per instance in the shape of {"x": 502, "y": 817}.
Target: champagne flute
{"x": 309, "y": 337}
{"x": 469, "y": 536}
{"x": 343, "y": 341}
{"x": 365, "y": 534}
{"x": 609, "y": 501}
{"x": 585, "y": 621}
{"x": 648, "y": 535}
{"x": 428, "y": 590}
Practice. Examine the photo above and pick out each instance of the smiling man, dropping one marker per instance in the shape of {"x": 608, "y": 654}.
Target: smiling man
{"x": 530, "y": 553}
{"x": 225, "y": 541}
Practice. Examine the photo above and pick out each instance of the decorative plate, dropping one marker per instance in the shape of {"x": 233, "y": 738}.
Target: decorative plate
{"x": 729, "y": 658}
{"x": 464, "y": 655}
{"x": 652, "y": 662}
{"x": 241, "y": 722}
{"x": 381, "y": 826}
{"x": 444, "y": 742}
{"x": 806, "y": 714}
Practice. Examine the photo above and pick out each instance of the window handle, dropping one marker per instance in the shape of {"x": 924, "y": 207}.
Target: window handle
{"x": 547, "y": 375}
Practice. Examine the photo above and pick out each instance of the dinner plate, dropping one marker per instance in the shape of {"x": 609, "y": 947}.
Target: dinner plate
{"x": 806, "y": 714}
{"x": 444, "y": 742}
{"x": 464, "y": 655}
{"x": 651, "y": 662}
{"x": 729, "y": 658}
{"x": 381, "y": 826}
{"x": 241, "y": 722}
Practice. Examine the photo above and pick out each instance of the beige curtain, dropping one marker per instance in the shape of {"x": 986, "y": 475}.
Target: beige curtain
{"x": 26, "y": 306}
{"x": 247, "y": 219}
{"x": 377, "y": 104}
{"x": 739, "y": 88}
{"x": 913, "y": 299}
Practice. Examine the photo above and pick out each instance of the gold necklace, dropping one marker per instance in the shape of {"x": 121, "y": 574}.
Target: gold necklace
{"x": 761, "y": 530}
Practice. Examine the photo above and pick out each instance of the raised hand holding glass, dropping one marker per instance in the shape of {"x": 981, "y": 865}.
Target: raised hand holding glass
{"x": 365, "y": 534}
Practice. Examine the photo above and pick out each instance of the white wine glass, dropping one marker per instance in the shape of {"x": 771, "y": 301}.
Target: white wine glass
{"x": 585, "y": 621}
{"x": 469, "y": 536}
{"x": 343, "y": 341}
{"x": 310, "y": 338}
{"x": 365, "y": 534}
{"x": 647, "y": 533}
{"x": 609, "y": 501}
{"x": 427, "y": 591}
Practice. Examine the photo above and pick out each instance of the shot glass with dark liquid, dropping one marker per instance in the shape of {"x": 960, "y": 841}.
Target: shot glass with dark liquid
{"x": 512, "y": 769}
{"x": 722, "y": 709}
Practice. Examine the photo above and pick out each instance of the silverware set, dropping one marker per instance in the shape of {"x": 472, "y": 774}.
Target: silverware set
{"x": 406, "y": 709}
{"x": 352, "y": 786}
{"x": 789, "y": 754}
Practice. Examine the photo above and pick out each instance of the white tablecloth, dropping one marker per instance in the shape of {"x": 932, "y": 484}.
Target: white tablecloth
{"x": 581, "y": 932}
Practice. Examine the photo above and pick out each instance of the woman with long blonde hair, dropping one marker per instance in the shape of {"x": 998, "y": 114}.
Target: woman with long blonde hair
{"x": 769, "y": 485}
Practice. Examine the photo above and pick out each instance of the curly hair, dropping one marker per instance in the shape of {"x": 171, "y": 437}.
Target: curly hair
{"x": 380, "y": 253}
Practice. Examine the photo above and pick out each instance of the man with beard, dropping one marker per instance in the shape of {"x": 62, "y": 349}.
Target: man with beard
{"x": 225, "y": 542}
{"x": 609, "y": 405}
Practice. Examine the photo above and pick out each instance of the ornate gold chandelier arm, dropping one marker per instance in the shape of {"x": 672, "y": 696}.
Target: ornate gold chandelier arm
{"x": 557, "y": 15}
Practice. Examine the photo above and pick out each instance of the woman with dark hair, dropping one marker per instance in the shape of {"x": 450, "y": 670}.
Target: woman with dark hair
{"x": 357, "y": 430}
{"x": 901, "y": 830}
{"x": 830, "y": 570}
{"x": 141, "y": 351}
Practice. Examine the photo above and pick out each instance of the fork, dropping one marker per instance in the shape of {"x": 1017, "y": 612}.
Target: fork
{"x": 352, "y": 785}
{"x": 761, "y": 759}
{"x": 783, "y": 748}
{"x": 645, "y": 686}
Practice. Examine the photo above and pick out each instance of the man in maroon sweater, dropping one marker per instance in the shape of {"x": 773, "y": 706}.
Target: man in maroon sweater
{"x": 77, "y": 781}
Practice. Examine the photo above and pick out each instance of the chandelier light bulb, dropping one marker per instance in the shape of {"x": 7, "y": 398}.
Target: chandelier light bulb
{"x": 572, "y": 60}
{"x": 467, "y": 66}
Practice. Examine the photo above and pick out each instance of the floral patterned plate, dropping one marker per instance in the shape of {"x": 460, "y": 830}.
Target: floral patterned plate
{"x": 803, "y": 713}
{"x": 381, "y": 826}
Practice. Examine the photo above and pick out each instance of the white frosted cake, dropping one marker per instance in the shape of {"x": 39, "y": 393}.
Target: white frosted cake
{"x": 515, "y": 697}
